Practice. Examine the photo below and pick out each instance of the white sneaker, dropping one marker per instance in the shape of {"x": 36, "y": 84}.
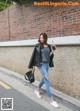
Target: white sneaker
{"x": 37, "y": 94}
{"x": 54, "y": 104}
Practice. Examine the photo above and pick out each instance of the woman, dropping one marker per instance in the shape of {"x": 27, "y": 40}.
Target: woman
{"x": 42, "y": 57}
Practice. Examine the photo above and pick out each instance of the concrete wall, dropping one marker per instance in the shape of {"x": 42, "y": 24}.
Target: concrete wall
{"x": 65, "y": 76}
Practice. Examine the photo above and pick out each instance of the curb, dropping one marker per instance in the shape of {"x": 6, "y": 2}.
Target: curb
{"x": 53, "y": 91}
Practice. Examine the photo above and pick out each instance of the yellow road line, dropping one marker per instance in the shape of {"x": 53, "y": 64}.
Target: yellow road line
{"x": 4, "y": 85}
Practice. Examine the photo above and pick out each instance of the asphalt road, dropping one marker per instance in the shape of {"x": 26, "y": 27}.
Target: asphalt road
{"x": 20, "y": 101}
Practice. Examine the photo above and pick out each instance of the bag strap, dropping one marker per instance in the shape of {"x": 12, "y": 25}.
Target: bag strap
{"x": 25, "y": 77}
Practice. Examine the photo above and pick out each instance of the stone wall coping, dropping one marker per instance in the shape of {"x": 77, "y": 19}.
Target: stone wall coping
{"x": 66, "y": 40}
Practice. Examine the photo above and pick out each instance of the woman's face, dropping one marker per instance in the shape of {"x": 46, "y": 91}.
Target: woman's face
{"x": 41, "y": 39}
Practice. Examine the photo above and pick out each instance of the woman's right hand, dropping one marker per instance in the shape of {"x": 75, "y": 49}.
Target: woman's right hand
{"x": 33, "y": 69}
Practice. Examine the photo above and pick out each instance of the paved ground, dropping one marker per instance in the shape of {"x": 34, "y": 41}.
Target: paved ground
{"x": 24, "y": 98}
{"x": 20, "y": 101}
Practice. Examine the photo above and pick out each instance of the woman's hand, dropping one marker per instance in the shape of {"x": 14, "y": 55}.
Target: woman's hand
{"x": 53, "y": 47}
{"x": 33, "y": 69}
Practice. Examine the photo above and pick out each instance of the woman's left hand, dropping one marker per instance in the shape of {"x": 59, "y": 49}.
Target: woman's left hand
{"x": 53, "y": 48}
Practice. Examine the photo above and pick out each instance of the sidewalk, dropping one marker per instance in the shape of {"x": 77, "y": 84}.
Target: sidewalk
{"x": 18, "y": 82}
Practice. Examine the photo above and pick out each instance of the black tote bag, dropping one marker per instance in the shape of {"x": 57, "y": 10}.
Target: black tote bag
{"x": 29, "y": 76}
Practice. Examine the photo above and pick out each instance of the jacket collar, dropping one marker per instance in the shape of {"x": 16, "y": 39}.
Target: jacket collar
{"x": 38, "y": 47}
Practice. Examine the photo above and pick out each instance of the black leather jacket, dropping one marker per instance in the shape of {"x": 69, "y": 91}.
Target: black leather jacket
{"x": 36, "y": 59}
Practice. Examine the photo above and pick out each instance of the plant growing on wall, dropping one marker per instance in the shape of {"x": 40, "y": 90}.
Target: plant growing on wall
{"x": 21, "y": 2}
{"x": 4, "y": 4}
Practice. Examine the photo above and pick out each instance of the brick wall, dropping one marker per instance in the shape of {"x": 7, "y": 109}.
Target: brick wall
{"x": 18, "y": 22}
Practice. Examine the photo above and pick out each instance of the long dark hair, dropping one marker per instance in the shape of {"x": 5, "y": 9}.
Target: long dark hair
{"x": 45, "y": 37}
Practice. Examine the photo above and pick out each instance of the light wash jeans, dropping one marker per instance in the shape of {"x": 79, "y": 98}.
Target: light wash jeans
{"x": 44, "y": 72}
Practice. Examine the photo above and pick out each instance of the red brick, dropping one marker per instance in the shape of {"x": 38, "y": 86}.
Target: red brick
{"x": 28, "y": 22}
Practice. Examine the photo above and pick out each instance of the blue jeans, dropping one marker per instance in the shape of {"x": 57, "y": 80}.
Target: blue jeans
{"x": 44, "y": 72}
